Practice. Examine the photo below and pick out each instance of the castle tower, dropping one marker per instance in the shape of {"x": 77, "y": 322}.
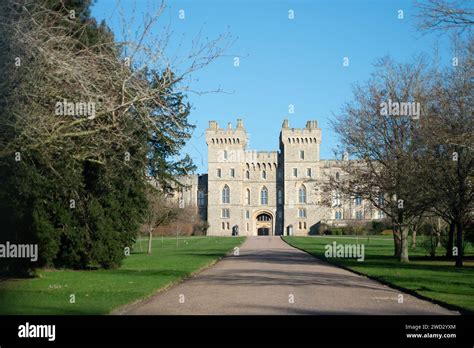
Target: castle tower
{"x": 299, "y": 158}
{"x": 226, "y": 153}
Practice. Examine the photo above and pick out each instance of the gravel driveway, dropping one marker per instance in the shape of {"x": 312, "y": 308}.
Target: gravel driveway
{"x": 271, "y": 277}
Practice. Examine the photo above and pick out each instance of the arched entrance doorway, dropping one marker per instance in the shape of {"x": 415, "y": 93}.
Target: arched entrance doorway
{"x": 264, "y": 224}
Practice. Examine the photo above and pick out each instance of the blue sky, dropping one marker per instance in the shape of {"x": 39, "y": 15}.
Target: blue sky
{"x": 282, "y": 61}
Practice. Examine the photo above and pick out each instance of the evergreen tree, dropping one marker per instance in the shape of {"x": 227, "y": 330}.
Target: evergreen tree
{"x": 79, "y": 192}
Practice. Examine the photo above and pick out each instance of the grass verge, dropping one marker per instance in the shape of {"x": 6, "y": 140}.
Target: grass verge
{"x": 432, "y": 278}
{"x": 101, "y": 291}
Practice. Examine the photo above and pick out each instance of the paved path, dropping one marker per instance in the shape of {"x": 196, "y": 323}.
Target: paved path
{"x": 264, "y": 278}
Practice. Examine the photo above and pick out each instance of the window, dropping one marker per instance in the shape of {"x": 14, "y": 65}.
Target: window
{"x": 225, "y": 154}
{"x": 359, "y": 215}
{"x": 358, "y": 200}
{"x": 247, "y": 174}
{"x": 225, "y": 214}
{"x": 300, "y": 225}
{"x": 304, "y": 224}
{"x": 264, "y": 217}
{"x": 380, "y": 214}
{"x": 223, "y": 225}
{"x": 308, "y": 172}
{"x": 337, "y": 198}
{"x": 228, "y": 225}
{"x": 302, "y": 213}
{"x": 264, "y": 174}
{"x": 295, "y": 172}
{"x": 219, "y": 173}
{"x": 302, "y": 194}
{"x": 301, "y": 155}
{"x": 279, "y": 174}
{"x": 232, "y": 173}
{"x": 264, "y": 196}
{"x": 226, "y": 194}
{"x": 338, "y": 215}
{"x": 247, "y": 214}
{"x": 337, "y": 175}
{"x": 280, "y": 197}
{"x": 201, "y": 199}
{"x": 381, "y": 200}
{"x": 247, "y": 196}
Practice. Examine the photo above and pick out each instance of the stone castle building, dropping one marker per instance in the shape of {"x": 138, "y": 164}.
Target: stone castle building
{"x": 269, "y": 193}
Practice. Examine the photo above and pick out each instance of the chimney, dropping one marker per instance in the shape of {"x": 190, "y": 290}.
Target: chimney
{"x": 229, "y": 125}
{"x": 309, "y": 124}
{"x": 240, "y": 123}
{"x": 212, "y": 125}
{"x": 315, "y": 124}
{"x": 285, "y": 124}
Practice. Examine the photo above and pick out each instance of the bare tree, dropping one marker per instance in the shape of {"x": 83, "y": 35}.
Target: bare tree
{"x": 125, "y": 82}
{"x": 445, "y": 15}
{"x": 383, "y": 146}
{"x": 159, "y": 213}
{"x": 448, "y": 136}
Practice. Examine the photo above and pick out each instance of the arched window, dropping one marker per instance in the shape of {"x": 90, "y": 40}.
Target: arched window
{"x": 225, "y": 154}
{"x": 264, "y": 174}
{"x": 247, "y": 174}
{"x": 302, "y": 194}
{"x": 264, "y": 217}
{"x": 337, "y": 175}
{"x": 247, "y": 196}
{"x": 280, "y": 197}
{"x": 264, "y": 196}
{"x": 226, "y": 194}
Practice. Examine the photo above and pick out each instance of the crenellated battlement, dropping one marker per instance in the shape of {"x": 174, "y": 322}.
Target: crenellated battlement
{"x": 311, "y": 134}
{"x": 226, "y": 136}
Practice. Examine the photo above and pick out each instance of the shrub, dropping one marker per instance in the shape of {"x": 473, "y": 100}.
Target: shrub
{"x": 201, "y": 228}
{"x": 378, "y": 226}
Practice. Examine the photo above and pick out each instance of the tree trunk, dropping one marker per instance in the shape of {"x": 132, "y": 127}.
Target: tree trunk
{"x": 449, "y": 247}
{"x": 150, "y": 236}
{"x": 397, "y": 241}
{"x": 459, "y": 243}
{"x": 404, "y": 245}
{"x": 413, "y": 241}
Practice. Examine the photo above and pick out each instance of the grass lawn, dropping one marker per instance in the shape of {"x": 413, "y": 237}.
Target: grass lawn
{"x": 437, "y": 279}
{"x": 101, "y": 291}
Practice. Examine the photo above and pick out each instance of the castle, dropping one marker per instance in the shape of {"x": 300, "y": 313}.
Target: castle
{"x": 269, "y": 193}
